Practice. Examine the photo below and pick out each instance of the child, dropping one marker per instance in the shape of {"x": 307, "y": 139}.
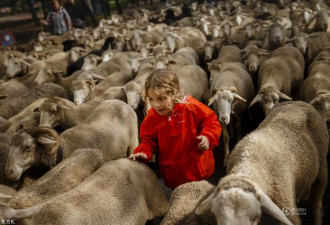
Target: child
{"x": 183, "y": 131}
{"x": 59, "y": 18}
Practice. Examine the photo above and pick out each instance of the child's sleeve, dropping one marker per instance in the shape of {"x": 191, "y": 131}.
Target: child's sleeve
{"x": 148, "y": 138}
{"x": 67, "y": 19}
{"x": 48, "y": 19}
{"x": 210, "y": 126}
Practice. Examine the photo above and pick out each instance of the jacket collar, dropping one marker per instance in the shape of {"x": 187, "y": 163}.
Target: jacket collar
{"x": 176, "y": 108}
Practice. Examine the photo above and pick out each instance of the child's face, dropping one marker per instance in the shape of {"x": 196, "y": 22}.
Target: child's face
{"x": 56, "y": 5}
{"x": 160, "y": 101}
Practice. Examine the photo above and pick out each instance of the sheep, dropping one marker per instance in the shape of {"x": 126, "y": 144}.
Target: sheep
{"x": 155, "y": 36}
{"x": 228, "y": 53}
{"x": 299, "y": 40}
{"x": 85, "y": 90}
{"x": 319, "y": 22}
{"x": 118, "y": 63}
{"x": 315, "y": 89}
{"x": 112, "y": 93}
{"x": 12, "y": 89}
{"x": 59, "y": 61}
{"x": 183, "y": 56}
{"x": 111, "y": 127}
{"x": 211, "y": 50}
{"x": 91, "y": 61}
{"x": 183, "y": 202}
{"x": 279, "y": 77}
{"x": 316, "y": 43}
{"x": 11, "y": 106}
{"x": 18, "y": 66}
{"x": 61, "y": 112}
{"x": 231, "y": 91}
{"x": 253, "y": 57}
{"x": 123, "y": 186}
{"x": 268, "y": 169}
{"x": 78, "y": 63}
{"x": 275, "y": 37}
{"x": 134, "y": 88}
{"x": 63, "y": 177}
{"x": 26, "y": 112}
{"x": 193, "y": 81}
{"x": 185, "y": 37}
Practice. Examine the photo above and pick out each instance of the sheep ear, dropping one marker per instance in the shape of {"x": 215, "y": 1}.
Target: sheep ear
{"x": 239, "y": 98}
{"x": 23, "y": 213}
{"x": 233, "y": 89}
{"x": 205, "y": 205}
{"x": 25, "y": 62}
{"x": 96, "y": 76}
{"x": 4, "y": 196}
{"x": 62, "y": 106}
{"x": 255, "y": 100}
{"x": 45, "y": 140}
{"x": 211, "y": 101}
{"x": 271, "y": 208}
{"x": 313, "y": 101}
{"x": 283, "y": 96}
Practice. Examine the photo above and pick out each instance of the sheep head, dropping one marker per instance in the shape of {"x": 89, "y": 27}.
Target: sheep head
{"x": 240, "y": 202}
{"x": 25, "y": 150}
{"x": 50, "y": 112}
{"x": 82, "y": 90}
{"x": 225, "y": 99}
{"x": 47, "y": 75}
{"x": 133, "y": 91}
{"x": 267, "y": 97}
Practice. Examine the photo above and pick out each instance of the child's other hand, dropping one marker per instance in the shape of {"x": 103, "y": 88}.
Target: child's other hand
{"x": 138, "y": 156}
{"x": 204, "y": 144}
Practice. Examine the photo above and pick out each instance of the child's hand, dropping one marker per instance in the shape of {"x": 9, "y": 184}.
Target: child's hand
{"x": 138, "y": 156}
{"x": 204, "y": 144}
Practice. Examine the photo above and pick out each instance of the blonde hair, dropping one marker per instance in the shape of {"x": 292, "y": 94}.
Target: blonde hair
{"x": 166, "y": 80}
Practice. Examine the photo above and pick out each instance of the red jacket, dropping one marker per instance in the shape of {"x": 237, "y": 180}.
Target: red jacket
{"x": 174, "y": 137}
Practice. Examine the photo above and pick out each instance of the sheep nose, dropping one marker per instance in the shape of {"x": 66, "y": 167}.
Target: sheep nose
{"x": 252, "y": 68}
{"x": 8, "y": 172}
{"x": 224, "y": 119}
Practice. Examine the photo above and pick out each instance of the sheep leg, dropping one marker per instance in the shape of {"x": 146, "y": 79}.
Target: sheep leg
{"x": 317, "y": 193}
{"x": 225, "y": 142}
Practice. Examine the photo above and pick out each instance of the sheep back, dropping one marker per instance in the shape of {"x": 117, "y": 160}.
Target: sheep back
{"x": 183, "y": 202}
{"x": 61, "y": 178}
{"x": 120, "y": 192}
{"x": 285, "y": 154}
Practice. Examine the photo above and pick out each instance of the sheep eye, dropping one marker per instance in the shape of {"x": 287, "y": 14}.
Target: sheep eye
{"x": 53, "y": 111}
{"x": 27, "y": 147}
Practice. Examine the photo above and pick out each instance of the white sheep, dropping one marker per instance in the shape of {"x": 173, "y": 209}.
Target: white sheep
{"x": 268, "y": 169}
{"x": 63, "y": 177}
{"x": 85, "y": 90}
{"x": 231, "y": 90}
{"x": 279, "y": 77}
{"x": 111, "y": 127}
{"x": 183, "y": 202}
{"x": 120, "y": 192}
